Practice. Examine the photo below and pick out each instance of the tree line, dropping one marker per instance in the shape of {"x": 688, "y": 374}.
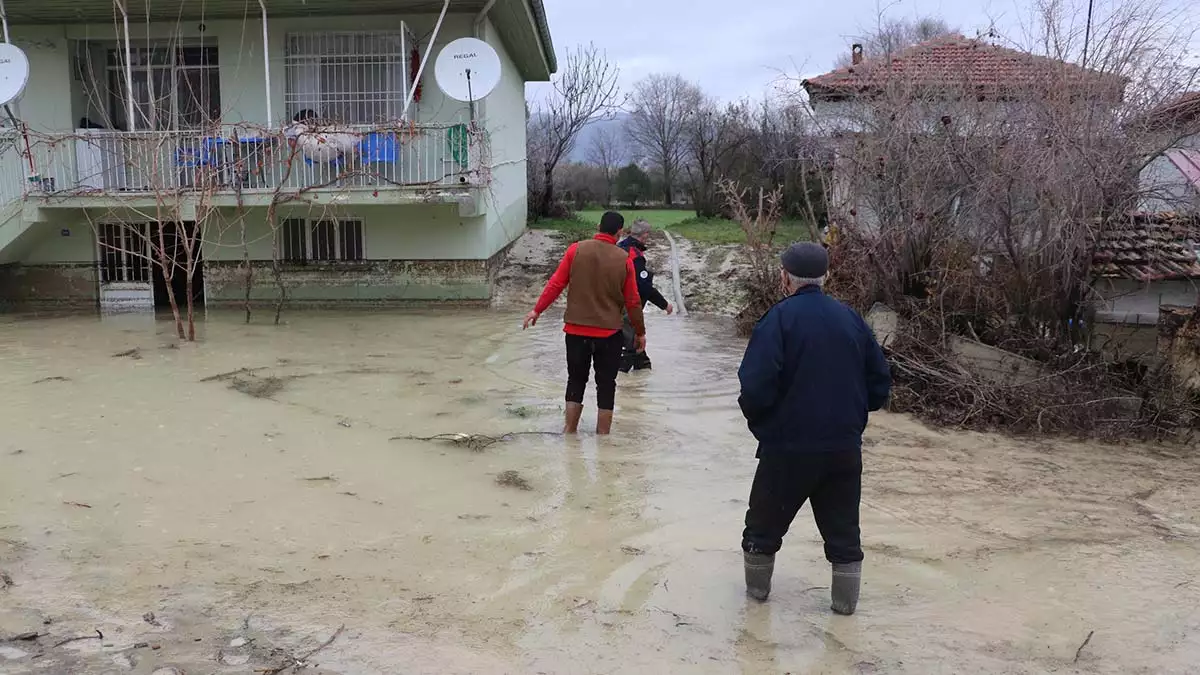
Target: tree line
{"x": 668, "y": 142}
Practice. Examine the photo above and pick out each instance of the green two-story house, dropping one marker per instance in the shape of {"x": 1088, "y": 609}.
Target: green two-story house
{"x": 255, "y": 145}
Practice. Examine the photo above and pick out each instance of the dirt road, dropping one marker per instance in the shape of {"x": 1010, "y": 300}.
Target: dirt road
{"x": 232, "y": 523}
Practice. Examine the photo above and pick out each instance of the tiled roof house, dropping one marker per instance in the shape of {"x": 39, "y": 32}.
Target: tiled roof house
{"x": 955, "y": 66}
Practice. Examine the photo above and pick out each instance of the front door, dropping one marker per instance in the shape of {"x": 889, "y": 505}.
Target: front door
{"x": 125, "y": 267}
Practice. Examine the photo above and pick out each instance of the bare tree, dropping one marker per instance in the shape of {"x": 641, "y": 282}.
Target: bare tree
{"x": 585, "y": 90}
{"x": 607, "y": 151}
{"x": 972, "y": 208}
{"x": 891, "y": 36}
{"x": 662, "y": 106}
{"x": 714, "y": 134}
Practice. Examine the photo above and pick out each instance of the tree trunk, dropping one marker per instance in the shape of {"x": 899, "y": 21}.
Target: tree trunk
{"x": 668, "y": 192}
{"x": 247, "y": 273}
{"x": 547, "y": 204}
{"x": 191, "y": 310}
{"x": 168, "y": 269}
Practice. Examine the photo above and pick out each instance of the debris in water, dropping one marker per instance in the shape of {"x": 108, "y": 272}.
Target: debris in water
{"x": 23, "y": 637}
{"x": 522, "y": 411}
{"x": 135, "y": 354}
{"x": 513, "y": 479}
{"x": 229, "y": 375}
{"x": 97, "y": 636}
{"x": 5, "y": 580}
{"x": 632, "y": 550}
{"x": 344, "y": 423}
{"x": 151, "y": 619}
{"x": 79, "y": 505}
{"x": 296, "y": 664}
{"x": 258, "y": 387}
{"x": 1079, "y": 652}
{"x": 56, "y": 378}
{"x": 476, "y": 442}
{"x": 321, "y": 479}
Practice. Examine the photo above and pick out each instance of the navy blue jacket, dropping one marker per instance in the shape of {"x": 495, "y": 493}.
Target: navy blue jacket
{"x": 645, "y": 278}
{"x": 811, "y": 373}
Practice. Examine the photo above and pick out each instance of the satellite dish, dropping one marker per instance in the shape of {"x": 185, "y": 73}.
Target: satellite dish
{"x": 14, "y": 72}
{"x": 467, "y": 69}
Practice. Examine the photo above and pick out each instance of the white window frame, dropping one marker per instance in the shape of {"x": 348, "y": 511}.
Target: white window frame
{"x": 310, "y": 226}
{"x": 129, "y": 240}
{"x": 318, "y": 49}
{"x": 115, "y": 97}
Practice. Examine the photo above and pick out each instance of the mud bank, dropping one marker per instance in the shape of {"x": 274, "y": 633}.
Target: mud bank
{"x": 226, "y": 507}
{"x": 709, "y": 274}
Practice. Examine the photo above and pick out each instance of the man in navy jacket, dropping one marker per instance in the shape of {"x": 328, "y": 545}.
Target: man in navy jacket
{"x": 811, "y": 373}
{"x": 635, "y": 244}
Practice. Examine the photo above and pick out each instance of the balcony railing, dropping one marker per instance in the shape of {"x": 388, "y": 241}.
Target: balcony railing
{"x": 102, "y": 162}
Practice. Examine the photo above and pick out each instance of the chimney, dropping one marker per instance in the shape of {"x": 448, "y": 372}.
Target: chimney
{"x": 856, "y": 54}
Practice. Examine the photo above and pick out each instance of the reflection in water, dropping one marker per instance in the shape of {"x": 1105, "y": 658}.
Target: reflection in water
{"x": 270, "y": 472}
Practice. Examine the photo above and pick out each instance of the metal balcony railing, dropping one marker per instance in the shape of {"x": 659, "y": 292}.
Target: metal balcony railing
{"x": 238, "y": 159}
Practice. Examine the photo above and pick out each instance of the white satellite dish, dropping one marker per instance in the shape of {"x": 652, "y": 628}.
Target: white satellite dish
{"x": 14, "y": 72}
{"x": 467, "y": 69}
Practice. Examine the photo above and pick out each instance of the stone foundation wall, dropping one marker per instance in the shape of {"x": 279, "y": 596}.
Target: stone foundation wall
{"x": 59, "y": 285}
{"x": 369, "y": 282}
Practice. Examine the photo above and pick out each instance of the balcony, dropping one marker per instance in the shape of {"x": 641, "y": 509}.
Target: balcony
{"x": 241, "y": 164}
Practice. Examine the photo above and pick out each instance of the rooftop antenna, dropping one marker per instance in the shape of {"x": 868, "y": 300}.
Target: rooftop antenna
{"x": 467, "y": 69}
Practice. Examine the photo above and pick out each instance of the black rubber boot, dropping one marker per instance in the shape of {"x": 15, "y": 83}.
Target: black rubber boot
{"x": 759, "y": 568}
{"x": 641, "y": 361}
{"x": 627, "y": 362}
{"x": 846, "y": 580}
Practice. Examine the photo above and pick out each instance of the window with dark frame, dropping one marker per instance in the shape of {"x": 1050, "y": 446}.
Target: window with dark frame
{"x": 326, "y": 240}
{"x": 294, "y": 244}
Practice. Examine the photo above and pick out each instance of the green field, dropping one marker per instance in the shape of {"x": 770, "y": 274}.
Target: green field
{"x": 682, "y": 223}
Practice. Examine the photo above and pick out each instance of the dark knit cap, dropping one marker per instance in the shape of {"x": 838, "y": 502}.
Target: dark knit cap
{"x": 805, "y": 260}
{"x": 612, "y": 222}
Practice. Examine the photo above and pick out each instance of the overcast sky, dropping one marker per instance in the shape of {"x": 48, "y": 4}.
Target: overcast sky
{"x": 737, "y": 48}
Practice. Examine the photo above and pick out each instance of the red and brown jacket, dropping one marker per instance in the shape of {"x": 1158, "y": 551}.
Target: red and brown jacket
{"x": 600, "y": 282}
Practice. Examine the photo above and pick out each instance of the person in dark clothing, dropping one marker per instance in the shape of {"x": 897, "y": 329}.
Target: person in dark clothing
{"x": 600, "y": 283}
{"x": 635, "y": 244}
{"x": 812, "y": 372}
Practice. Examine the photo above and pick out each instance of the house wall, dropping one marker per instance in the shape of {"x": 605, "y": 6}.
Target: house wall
{"x": 1126, "y": 321}
{"x": 507, "y": 203}
{"x": 415, "y": 252}
{"x": 1128, "y": 301}
{"x": 1165, "y": 188}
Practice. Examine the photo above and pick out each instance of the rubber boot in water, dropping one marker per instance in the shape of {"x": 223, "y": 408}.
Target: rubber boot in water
{"x": 574, "y": 412}
{"x": 759, "y": 568}
{"x": 846, "y": 579}
{"x": 641, "y": 361}
{"x": 626, "y": 362}
{"x": 604, "y": 422}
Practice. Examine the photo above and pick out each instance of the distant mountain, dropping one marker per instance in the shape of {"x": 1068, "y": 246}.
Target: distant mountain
{"x": 586, "y": 137}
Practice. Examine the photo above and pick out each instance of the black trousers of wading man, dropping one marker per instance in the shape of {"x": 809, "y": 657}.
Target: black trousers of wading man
{"x": 586, "y": 353}
{"x": 832, "y": 481}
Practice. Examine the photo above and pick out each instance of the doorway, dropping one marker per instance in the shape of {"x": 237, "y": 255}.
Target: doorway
{"x": 175, "y": 238}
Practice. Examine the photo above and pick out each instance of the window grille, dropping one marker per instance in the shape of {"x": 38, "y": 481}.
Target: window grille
{"x": 348, "y": 78}
{"x": 321, "y": 240}
{"x": 124, "y": 253}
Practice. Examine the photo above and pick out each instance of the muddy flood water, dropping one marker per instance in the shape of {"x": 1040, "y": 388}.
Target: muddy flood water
{"x": 218, "y": 523}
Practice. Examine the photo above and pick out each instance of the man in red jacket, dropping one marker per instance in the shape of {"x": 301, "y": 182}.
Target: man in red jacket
{"x": 600, "y": 282}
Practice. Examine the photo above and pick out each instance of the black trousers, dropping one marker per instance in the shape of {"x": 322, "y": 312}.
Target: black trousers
{"x": 832, "y": 481}
{"x": 604, "y": 354}
{"x": 632, "y": 358}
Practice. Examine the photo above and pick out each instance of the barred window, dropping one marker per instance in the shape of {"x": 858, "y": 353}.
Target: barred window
{"x": 350, "y": 78}
{"x": 321, "y": 240}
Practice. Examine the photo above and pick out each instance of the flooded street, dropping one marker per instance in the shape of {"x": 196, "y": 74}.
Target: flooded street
{"x": 226, "y": 507}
